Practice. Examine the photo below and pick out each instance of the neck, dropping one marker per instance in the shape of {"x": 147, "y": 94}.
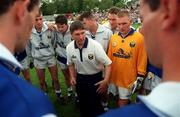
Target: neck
{"x": 171, "y": 63}
{"x": 171, "y": 72}
{"x": 80, "y": 46}
{"x": 5, "y": 38}
{"x": 126, "y": 33}
{"x": 94, "y": 28}
{"x": 38, "y": 29}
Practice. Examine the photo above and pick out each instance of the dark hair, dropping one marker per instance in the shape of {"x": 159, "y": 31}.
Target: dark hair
{"x": 114, "y": 10}
{"x": 6, "y": 4}
{"x": 153, "y": 4}
{"x": 76, "y": 25}
{"x": 32, "y": 4}
{"x": 61, "y": 19}
{"x": 87, "y": 15}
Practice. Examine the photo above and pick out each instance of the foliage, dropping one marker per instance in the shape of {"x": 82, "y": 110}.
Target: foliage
{"x": 71, "y": 6}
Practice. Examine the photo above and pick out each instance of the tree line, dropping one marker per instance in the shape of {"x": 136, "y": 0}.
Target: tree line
{"x": 74, "y": 6}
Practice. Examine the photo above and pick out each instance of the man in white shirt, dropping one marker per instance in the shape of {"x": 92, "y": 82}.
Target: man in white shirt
{"x": 84, "y": 57}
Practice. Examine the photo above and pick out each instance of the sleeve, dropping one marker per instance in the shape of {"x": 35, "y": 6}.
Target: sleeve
{"x": 109, "y": 53}
{"x": 68, "y": 52}
{"x": 54, "y": 39}
{"x": 101, "y": 55}
{"x": 29, "y": 50}
{"x": 109, "y": 38}
{"x": 142, "y": 58}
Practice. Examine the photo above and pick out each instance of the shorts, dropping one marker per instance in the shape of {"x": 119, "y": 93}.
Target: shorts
{"x": 123, "y": 93}
{"x": 112, "y": 89}
{"x": 45, "y": 63}
{"x": 151, "y": 81}
{"x": 25, "y": 63}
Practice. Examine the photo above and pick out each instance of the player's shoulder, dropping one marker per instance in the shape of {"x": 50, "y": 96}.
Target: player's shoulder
{"x": 71, "y": 45}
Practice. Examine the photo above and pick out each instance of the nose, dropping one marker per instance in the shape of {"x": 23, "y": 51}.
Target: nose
{"x": 110, "y": 21}
{"x": 81, "y": 37}
{"x": 121, "y": 26}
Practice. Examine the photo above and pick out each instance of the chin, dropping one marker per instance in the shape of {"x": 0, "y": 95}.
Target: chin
{"x": 20, "y": 48}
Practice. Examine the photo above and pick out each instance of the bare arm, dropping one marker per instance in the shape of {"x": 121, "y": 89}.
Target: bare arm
{"x": 104, "y": 83}
{"x": 72, "y": 74}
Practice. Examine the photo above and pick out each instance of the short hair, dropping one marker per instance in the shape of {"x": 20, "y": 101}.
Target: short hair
{"x": 123, "y": 13}
{"x": 61, "y": 19}
{"x": 87, "y": 15}
{"x": 6, "y": 4}
{"x": 76, "y": 25}
{"x": 114, "y": 10}
{"x": 153, "y": 4}
{"x": 32, "y": 4}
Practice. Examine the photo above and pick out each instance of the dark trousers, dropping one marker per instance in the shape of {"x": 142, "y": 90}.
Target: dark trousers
{"x": 90, "y": 100}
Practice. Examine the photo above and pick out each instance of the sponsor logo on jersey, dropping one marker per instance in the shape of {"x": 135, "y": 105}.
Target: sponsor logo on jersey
{"x": 49, "y": 36}
{"x": 114, "y": 44}
{"x": 73, "y": 57}
{"x": 132, "y": 44}
{"x": 90, "y": 56}
{"x": 122, "y": 54}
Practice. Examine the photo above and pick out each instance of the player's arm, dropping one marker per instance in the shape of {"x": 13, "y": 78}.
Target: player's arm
{"x": 72, "y": 74}
{"x": 104, "y": 59}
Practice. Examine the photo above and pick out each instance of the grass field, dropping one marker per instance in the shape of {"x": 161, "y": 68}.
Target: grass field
{"x": 64, "y": 110}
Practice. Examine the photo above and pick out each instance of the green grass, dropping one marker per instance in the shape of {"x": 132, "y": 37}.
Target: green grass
{"x": 63, "y": 110}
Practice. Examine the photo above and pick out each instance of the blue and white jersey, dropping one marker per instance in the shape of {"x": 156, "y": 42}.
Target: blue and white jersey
{"x": 18, "y": 97}
{"x": 61, "y": 43}
{"x": 42, "y": 44}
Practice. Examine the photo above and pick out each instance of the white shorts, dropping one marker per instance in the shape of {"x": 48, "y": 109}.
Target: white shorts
{"x": 151, "y": 81}
{"x": 25, "y": 63}
{"x": 44, "y": 64}
{"x": 123, "y": 93}
{"x": 112, "y": 89}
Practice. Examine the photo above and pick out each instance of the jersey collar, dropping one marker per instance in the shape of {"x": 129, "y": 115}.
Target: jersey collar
{"x": 85, "y": 43}
{"x": 164, "y": 99}
{"x": 129, "y": 33}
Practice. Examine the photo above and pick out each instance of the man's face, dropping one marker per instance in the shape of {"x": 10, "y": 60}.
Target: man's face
{"x": 79, "y": 36}
{"x": 26, "y": 28}
{"x": 62, "y": 28}
{"x": 112, "y": 20}
{"x": 87, "y": 23}
{"x": 39, "y": 22}
{"x": 123, "y": 24}
{"x": 151, "y": 33}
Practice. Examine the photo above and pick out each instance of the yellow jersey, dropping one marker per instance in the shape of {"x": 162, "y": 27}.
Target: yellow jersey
{"x": 128, "y": 57}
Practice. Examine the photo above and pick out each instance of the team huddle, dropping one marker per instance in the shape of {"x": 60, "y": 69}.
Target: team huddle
{"x": 98, "y": 61}
{"x": 112, "y": 57}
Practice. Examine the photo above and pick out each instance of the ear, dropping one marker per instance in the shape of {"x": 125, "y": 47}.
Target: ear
{"x": 170, "y": 11}
{"x": 21, "y": 10}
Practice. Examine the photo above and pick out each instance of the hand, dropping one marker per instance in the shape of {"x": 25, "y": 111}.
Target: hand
{"x": 52, "y": 27}
{"x": 137, "y": 84}
{"x": 150, "y": 76}
{"x": 73, "y": 81}
{"x": 103, "y": 84}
